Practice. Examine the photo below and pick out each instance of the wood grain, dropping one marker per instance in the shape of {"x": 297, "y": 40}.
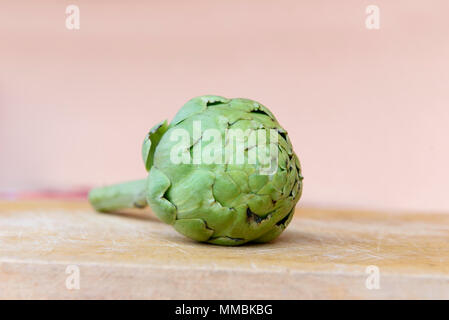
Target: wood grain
{"x": 323, "y": 254}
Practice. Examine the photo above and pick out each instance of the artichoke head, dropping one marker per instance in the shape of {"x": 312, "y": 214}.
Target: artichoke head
{"x": 223, "y": 172}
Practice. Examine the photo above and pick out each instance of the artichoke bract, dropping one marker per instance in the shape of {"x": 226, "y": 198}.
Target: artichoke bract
{"x": 223, "y": 172}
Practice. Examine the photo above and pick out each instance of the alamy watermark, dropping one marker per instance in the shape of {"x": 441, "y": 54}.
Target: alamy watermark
{"x": 372, "y": 21}
{"x": 372, "y": 282}
{"x": 72, "y": 21}
{"x": 72, "y": 282}
{"x": 233, "y": 146}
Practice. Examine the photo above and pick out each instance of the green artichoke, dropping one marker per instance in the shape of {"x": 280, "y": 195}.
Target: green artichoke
{"x": 211, "y": 185}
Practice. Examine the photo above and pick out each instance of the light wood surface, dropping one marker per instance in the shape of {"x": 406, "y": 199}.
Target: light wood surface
{"x": 323, "y": 254}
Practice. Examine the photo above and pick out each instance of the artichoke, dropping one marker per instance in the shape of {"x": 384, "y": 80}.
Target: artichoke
{"x": 223, "y": 172}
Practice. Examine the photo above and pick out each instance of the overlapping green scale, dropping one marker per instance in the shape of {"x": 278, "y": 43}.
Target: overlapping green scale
{"x": 224, "y": 203}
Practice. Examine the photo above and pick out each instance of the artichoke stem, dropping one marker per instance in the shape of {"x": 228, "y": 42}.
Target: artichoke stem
{"x": 119, "y": 196}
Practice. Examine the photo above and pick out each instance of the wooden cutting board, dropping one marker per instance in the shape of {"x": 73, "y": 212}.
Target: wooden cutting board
{"x": 47, "y": 248}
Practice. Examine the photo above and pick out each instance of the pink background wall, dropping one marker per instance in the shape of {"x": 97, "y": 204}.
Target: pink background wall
{"x": 367, "y": 110}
